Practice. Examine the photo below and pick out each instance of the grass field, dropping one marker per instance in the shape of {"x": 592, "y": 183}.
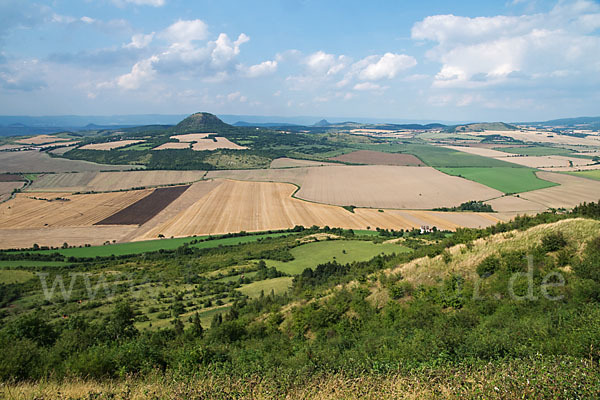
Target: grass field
{"x": 14, "y": 276}
{"x": 343, "y": 251}
{"x": 278, "y": 285}
{"x": 592, "y": 174}
{"x": 537, "y": 151}
{"x": 436, "y": 156}
{"x": 506, "y": 180}
{"x": 120, "y": 249}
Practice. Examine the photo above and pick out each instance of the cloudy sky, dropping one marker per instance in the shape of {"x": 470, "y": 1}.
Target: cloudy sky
{"x": 511, "y": 60}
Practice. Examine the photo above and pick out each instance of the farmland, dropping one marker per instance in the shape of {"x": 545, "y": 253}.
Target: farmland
{"x": 216, "y": 143}
{"x": 6, "y": 188}
{"x": 379, "y": 158}
{"x": 389, "y": 187}
{"x": 110, "y": 181}
{"x": 173, "y": 145}
{"x": 110, "y": 145}
{"x": 538, "y": 151}
{"x": 341, "y": 251}
{"x": 592, "y": 174}
{"x": 285, "y": 162}
{"x": 145, "y": 208}
{"x": 570, "y": 191}
{"x": 35, "y": 161}
{"x": 42, "y": 139}
{"x": 506, "y": 180}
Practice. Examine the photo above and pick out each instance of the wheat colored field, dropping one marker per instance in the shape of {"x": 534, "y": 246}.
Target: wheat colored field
{"x": 24, "y": 211}
{"x": 35, "y": 161}
{"x": 548, "y": 161}
{"x": 108, "y": 181}
{"x": 390, "y": 187}
{"x": 192, "y": 137}
{"x": 56, "y": 236}
{"x": 173, "y": 146}
{"x": 572, "y": 191}
{"x": 516, "y": 204}
{"x": 218, "y": 143}
{"x": 285, "y": 162}
{"x": 110, "y": 145}
{"x": 234, "y": 206}
{"x": 42, "y": 139}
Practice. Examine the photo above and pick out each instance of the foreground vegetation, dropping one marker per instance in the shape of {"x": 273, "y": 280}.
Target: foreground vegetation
{"x": 504, "y": 312}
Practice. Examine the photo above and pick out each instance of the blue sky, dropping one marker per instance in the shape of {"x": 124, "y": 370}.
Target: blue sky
{"x": 511, "y": 60}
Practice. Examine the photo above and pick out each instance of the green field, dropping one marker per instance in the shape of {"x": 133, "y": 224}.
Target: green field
{"x": 537, "y": 151}
{"x": 311, "y": 254}
{"x": 120, "y": 249}
{"x": 277, "y": 285}
{"x": 506, "y": 180}
{"x": 14, "y": 276}
{"x": 592, "y": 174}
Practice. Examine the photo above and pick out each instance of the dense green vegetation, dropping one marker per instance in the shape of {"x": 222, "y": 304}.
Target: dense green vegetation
{"x": 506, "y": 180}
{"x": 475, "y": 206}
{"x": 592, "y": 174}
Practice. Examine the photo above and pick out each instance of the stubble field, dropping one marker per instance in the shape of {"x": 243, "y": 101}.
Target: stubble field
{"x": 110, "y": 145}
{"x": 35, "y": 161}
{"x": 379, "y": 158}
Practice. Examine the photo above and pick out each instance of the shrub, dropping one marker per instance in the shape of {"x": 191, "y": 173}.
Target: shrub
{"x": 488, "y": 266}
{"x": 553, "y": 241}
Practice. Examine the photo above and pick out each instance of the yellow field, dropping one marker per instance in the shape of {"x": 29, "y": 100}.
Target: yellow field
{"x": 480, "y": 151}
{"x": 285, "y": 162}
{"x": 42, "y": 139}
{"x": 56, "y": 236}
{"x": 172, "y": 145}
{"x": 192, "y": 137}
{"x": 234, "y": 206}
{"x": 390, "y": 187}
{"x": 24, "y": 211}
{"x": 110, "y": 145}
{"x": 218, "y": 143}
{"x": 572, "y": 191}
{"x": 548, "y": 161}
{"x": 108, "y": 181}
{"x": 516, "y": 204}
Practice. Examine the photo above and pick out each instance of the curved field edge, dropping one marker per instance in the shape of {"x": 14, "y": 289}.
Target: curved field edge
{"x": 508, "y": 180}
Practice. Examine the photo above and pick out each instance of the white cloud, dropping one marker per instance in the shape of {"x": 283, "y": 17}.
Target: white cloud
{"x": 485, "y": 51}
{"x": 140, "y": 41}
{"x": 387, "y": 66}
{"x": 153, "y": 3}
{"x": 364, "y": 86}
{"x": 236, "y": 96}
{"x": 224, "y": 50}
{"x": 142, "y": 72}
{"x": 186, "y": 31}
{"x": 264, "y": 68}
{"x": 322, "y": 63}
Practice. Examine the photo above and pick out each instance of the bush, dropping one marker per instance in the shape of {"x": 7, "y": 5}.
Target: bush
{"x": 553, "y": 242}
{"x": 488, "y": 266}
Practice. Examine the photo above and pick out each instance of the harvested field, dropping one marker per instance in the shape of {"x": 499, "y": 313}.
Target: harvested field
{"x": 61, "y": 150}
{"x": 379, "y": 158}
{"x": 192, "y": 137}
{"x": 516, "y": 204}
{"x": 183, "y": 202}
{"x": 217, "y": 143}
{"x": 42, "y": 139}
{"x": 550, "y": 138}
{"x": 110, "y": 145}
{"x": 34, "y": 210}
{"x": 548, "y": 161}
{"x": 11, "y": 178}
{"x": 109, "y": 181}
{"x": 480, "y": 151}
{"x": 36, "y": 161}
{"x": 286, "y": 175}
{"x": 285, "y": 162}
{"x": 6, "y": 188}
{"x": 56, "y": 236}
{"x": 390, "y": 187}
{"x": 172, "y": 145}
{"x": 144, "y": 209}
{"x": 11, "y": 147}
{"x": 572, "y": 191}
{"x": 255, "y": 206}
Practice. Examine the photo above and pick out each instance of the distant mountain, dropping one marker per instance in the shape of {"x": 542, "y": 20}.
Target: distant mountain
{"x": 322, "y": 123}
{"x": 200, "y": 122}
{"x": 264, "y": 125}
{"x": 482, "y": 126}
{"x": 579, "y": 122}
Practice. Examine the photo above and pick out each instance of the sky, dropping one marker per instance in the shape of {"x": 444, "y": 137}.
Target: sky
{"x": 511, "y": 60}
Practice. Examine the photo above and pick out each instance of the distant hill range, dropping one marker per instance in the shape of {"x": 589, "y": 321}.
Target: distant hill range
{"x": 580, "y": 122}
{"x": 480, "y": 127}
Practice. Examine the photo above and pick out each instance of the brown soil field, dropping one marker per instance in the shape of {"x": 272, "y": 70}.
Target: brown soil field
{"x": 11, "y": 178}
{"x": 36, "y": 161}
{"x": 42, "y": 139}
{"x": 183, "y": 202}
{"x": 572, "y": 191}
{"x": 285, "y": 162}
{"x": 379, "y": 158}
{"x": 516, "y": 204}
{"x": 144, "y": 209}
{"x": 6, "y": 188}
{"x": 171, "y": 145}
{"x": 56, "y": 236}
{"x": 25, "y": 212}
{"x": 255, "y": 206}
{"x": 108, "y": 181}
{"x": 390, "y": 187}
{"x": 218, "y": 143}
{"x": 192, "y": 137}
{"x": 110, "y": 145}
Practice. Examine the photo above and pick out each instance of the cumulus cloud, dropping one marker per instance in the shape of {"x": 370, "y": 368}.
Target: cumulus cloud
{"x": 22, "y": 75}
{"x": 324, "y": 63}
{"x": 153, "y": 3}
{"x": 140, "y": 41}
{"x": 484, "y": 51}
{"x": 142, "y": 72}
{"x": 387, "y": 66}
{"x": 224, "y": 50}
{"x": 367, "y": 86}
{"x": 264, "y": 68}
{"x": 184, "y": 32}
